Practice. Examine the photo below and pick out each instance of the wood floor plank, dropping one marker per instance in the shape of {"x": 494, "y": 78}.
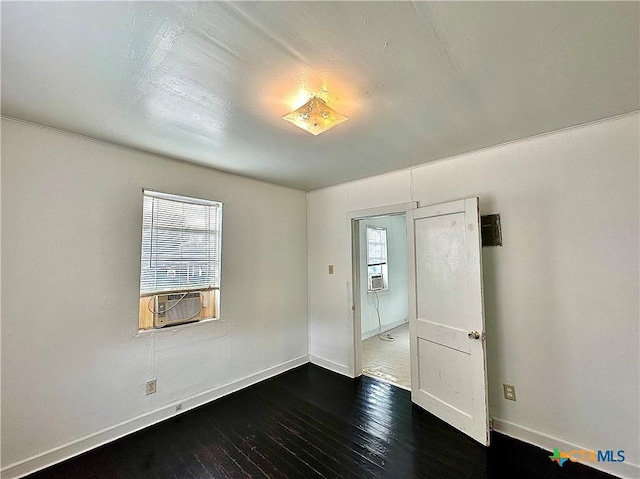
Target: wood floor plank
{"x": 338, "y": 437}
{"x": 340, "y": 455}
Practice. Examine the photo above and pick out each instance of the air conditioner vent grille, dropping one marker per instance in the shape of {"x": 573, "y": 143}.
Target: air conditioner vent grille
{"x": 376, "y": 282}
{"x": 176, "y": 308}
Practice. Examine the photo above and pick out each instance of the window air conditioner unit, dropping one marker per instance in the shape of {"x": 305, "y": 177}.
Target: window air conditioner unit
{"x": 176, "y": 308}
{"x": 376, "y": 282}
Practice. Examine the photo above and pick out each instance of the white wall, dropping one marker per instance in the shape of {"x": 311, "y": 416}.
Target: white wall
{"x": 561, "y": 295}
{"x": 393, "y": 302}
{"x": 73, "y": 364}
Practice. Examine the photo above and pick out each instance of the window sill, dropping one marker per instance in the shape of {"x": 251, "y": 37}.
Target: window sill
{"x": 193, "y": 324}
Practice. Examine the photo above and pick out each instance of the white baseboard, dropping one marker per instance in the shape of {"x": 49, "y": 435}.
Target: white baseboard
{"x": 330, "y": 365}
{"x": 40, "y": 461}
{"x": 385, "y": 328}
{"x": 625, "y": 470}
{"x": 78, "y": 446}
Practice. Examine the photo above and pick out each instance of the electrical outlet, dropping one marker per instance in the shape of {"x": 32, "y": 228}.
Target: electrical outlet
{"x": 509, "y": 392}
{"x": 151, "y": 386}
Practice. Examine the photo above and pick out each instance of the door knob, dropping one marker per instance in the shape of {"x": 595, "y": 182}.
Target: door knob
{"x": 474, "y": 335}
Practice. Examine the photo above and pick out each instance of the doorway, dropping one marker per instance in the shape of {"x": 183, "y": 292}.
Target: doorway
{"x": 446, "y": 315}
{"x": 382, "y": 269}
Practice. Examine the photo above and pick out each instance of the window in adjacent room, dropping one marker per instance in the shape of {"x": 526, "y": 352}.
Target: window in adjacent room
{"x": 180, "y": 268}
{"x": 377, "y": 268}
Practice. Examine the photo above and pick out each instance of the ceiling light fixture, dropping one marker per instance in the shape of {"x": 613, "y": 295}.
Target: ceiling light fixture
{"x": 315, "y": 117}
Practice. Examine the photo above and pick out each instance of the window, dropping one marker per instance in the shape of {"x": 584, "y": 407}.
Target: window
{"x": 180, "y": 268}
{"x": 377, "y": 269}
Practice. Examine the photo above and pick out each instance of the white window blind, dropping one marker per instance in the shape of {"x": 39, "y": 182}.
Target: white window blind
{"x": 180, "y": 243}
{"x": 376, "y": 245}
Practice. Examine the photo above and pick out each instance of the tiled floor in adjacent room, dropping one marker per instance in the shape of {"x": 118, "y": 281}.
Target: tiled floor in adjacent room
{"x": 388, "y": 360}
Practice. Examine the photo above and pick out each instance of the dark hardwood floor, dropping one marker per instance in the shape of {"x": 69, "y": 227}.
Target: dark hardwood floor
{"x": 312, "y": 423}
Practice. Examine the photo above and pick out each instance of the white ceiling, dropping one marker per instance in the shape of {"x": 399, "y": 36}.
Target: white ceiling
{"x": 209, "y": 82}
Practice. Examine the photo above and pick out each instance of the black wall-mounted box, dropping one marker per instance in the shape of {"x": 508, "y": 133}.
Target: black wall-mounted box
{"x": 490, "y": 230}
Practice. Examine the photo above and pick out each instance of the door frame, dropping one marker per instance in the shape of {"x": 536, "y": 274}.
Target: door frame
{"x": 355, "y": 356}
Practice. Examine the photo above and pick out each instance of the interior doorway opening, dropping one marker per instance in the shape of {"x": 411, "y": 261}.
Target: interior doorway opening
{"x": 381, "y": 263}
{"x": 444, "y": 301}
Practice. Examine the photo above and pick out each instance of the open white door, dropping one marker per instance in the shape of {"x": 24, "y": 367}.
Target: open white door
{"x": 446, "y": 315}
